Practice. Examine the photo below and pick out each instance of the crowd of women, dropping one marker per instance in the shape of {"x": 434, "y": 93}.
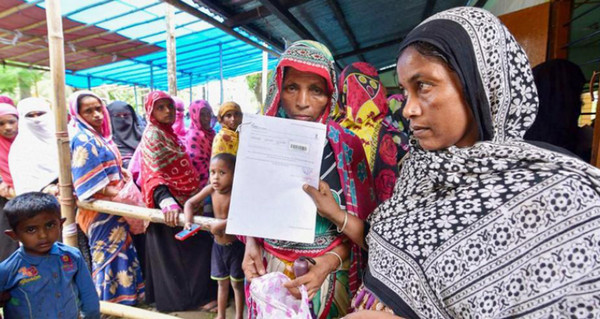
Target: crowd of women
{"x": 430, "y": 206}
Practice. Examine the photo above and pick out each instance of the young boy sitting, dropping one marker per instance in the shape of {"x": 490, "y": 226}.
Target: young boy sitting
{"x": 226, "y": 141}
{"x": 227, "y": 251}
{"x": 45, "y": 278}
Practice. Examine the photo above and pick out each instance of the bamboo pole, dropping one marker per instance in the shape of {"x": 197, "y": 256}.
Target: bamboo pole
{"x": 171, "y": 53}
{"x": 122, "y": 311}
{"x": 148, "y": 214}
{"x": 57, "y": 71}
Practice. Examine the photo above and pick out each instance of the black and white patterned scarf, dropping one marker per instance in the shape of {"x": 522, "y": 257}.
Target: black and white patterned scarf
{"x": 499, "y": 229}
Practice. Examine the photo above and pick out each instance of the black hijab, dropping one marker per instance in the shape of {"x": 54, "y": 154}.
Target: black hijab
{"x": 127, "y": 131}
{"x": 559, "y": 84}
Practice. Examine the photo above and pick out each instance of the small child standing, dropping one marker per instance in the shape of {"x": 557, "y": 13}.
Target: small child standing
{"x": 45, "y": 278}
{"x": 227, "y": 251}
{"x": 226, "y": 141}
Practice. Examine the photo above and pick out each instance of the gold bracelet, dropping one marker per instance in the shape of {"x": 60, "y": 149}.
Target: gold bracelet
{"x": 331, "y": 252}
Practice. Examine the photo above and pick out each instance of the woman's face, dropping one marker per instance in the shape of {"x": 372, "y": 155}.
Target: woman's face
{"x": 304, "y": 95}
{"x": 9, "y": 126}
{"x": 232, "y": 119}
{"x": 438, "y": 113}
{"x": 90, "y": 110}
{"x": 164, "y": 111}
{"x": 205, "y": 116}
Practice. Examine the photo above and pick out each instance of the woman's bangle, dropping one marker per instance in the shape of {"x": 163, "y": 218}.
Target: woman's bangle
{"x": 339, "y": 258}
{"x": 344, "y": 224}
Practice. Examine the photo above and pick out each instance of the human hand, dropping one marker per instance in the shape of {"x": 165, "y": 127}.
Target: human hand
{"x": 313, "y": 280}
{"x": 326, "y": 204}
{"x": 188, "y": 225}
{"x": 126, "y": 175}
{"x": 171, "y": 215}
{"x": 252, "y": 264}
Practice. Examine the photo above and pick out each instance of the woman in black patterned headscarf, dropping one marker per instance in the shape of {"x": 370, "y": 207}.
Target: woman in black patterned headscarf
{"x": 481, "y": 224}
{"x": 127, "y": 131}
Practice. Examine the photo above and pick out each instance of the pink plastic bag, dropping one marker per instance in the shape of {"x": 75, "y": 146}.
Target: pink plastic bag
{"x": 271, "y": 300}
{"x": 131, "y": 195}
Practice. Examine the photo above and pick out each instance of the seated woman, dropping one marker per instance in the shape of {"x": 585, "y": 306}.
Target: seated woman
{"x": 304, "y": 89}
{"x": 37, "y": 135}
{"x": 97, "y": 173}
{"x": 177, "y": 272}
{"x": 481, "y": 224}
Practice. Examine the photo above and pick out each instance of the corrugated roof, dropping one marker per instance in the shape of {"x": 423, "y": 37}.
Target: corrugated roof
{"x": 353, "y": 29}
{"x": 124, "y": 41}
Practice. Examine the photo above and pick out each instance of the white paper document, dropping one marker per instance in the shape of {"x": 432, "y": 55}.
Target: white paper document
{"x": 275, "y": 158}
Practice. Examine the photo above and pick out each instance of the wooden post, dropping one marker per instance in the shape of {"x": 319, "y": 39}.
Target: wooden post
{"x": 57, "y": 72}
{"x": 171, "y": 54}
{"x": 265, "y": 70}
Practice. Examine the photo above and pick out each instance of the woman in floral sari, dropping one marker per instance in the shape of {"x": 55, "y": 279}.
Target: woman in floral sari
{"x": 177, "y": 272}
{"x": 97, "y": 174}
{"x": 364, "y": 110}
{"x": 303, "y": 88}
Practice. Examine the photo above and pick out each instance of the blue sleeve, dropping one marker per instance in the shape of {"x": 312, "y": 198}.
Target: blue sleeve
{"x": 89, "y": 174}
{"x": 90, "y": 303}
{"x": 4, "y": 274}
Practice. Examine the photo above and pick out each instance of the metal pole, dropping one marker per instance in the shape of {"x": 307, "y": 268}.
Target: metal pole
{"x": 265, "y": 66}
{"x": 191, "y": 76}
{"x": 89, "y": 78}
{"x": 221, "y": 69}
{"x": 57, "y": 71}
{"x": 171, "y": 54}
{"x": 151, "y": 78}
{"x": 135, "y": 98}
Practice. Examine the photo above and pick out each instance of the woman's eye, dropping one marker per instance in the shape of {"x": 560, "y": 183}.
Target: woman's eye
{"x": 290, "y": 87}
{"x": 317, "y": 90}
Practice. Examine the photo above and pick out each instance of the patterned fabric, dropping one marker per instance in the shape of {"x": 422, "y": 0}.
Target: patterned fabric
{"x": 363, "y": 105}
{"x": 392, "y": 146}
{"x": 5, "y": 143}
{"x": 365, "y": 112}
{"x": 95, "y": 164}
{"x": 226, "y": 141}
{"x": 198, "y": 141}
{"x": 351, "y": 166}
{"x": 179, "y": 125}
{"x": 164, "y": 159}
{"x": 499, "y": 229}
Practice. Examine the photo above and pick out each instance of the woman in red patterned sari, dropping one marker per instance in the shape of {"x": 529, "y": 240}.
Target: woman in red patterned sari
{"x": 177, "y": 272}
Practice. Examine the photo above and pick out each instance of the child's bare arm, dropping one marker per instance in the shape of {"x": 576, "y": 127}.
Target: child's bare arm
{"x": 218, "y": 228}
{"x": 193, "y": 203}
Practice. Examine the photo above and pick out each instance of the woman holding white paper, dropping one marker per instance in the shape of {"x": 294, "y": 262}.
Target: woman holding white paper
{"x": 304, "y": 88}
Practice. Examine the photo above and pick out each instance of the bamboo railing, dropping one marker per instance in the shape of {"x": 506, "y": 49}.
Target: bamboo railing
{"x": 148, "y": 214}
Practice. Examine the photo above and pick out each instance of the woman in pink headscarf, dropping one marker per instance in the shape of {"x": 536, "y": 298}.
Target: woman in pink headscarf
{"x": 9, "y": 118}
{"x": 8, "y": 131}
{"x": 199, "y": 138}
{"x": 179, "y": 125}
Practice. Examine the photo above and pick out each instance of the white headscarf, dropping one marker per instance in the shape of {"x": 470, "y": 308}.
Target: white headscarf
{"x": 33, "y": 157}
